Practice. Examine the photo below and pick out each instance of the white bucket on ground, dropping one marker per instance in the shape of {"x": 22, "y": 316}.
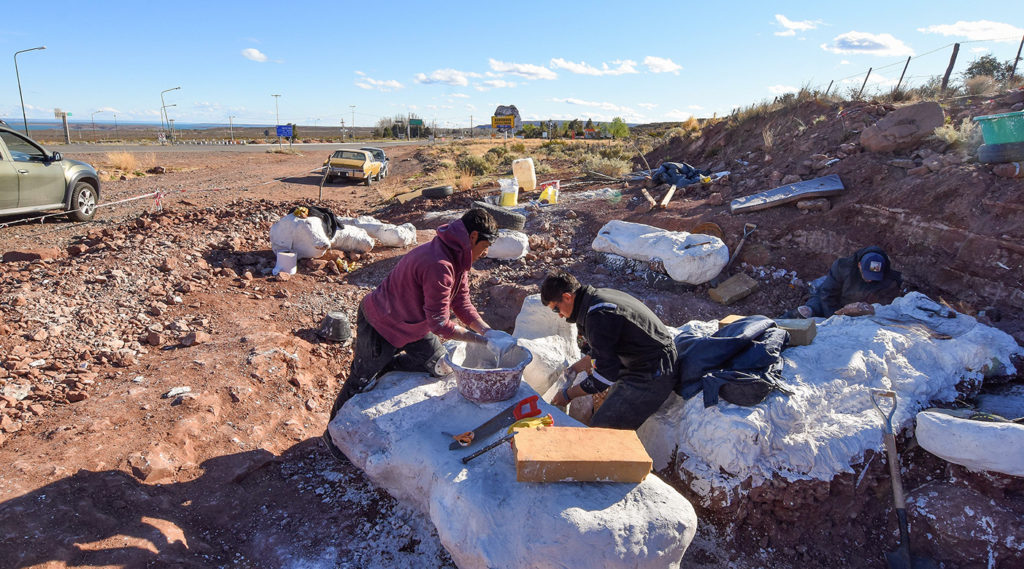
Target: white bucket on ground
{"x": 286, "y": 261}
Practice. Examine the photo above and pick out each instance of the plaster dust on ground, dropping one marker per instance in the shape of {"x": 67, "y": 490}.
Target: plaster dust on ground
{"x": 109, "y": 461}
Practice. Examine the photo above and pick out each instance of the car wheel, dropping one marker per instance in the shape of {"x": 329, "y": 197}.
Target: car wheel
{"x": 368, "y": 180}
{"x": 83, "y": 202}
{"x": 504, "y": 218}
{"x": 437, "y": 192}
{"x": 1005, "y": 152}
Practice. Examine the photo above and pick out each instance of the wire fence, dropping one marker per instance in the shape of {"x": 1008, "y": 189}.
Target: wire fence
{"x": 922, "y": 64}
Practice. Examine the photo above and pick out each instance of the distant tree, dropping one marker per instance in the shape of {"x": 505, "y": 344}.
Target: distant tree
{"x": 618, "y": 128}
{"x": 589, "y": 125}
{"x": 988, "y": 65}
{"x": 574, "y": 126}
{"x": 603, "y": 129}
{"x": 531, "y": 131}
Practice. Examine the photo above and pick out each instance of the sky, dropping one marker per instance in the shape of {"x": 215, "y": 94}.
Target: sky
{"x": 452, "y": 62}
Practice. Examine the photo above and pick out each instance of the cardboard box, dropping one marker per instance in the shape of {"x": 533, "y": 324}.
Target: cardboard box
{"x": 580, "y": 454}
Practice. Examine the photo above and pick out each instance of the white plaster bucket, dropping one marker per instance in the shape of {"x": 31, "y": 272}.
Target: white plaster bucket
{"x": 286, "y": 261}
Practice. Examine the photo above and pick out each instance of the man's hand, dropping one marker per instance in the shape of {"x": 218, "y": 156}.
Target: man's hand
{"x": 856, "y": 309}
{"x": 499, "y": 342}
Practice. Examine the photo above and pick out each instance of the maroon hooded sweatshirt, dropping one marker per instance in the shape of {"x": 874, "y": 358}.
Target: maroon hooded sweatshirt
{"x": 427, "y": 285}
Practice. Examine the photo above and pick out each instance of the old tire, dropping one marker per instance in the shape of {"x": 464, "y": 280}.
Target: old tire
{"x": 367, "y": 180}
{"x": 83, "y": 202}
{"x": 504, "y": 218}
{"x": 1006, "y": 152}
{"x": 437, "y": 192}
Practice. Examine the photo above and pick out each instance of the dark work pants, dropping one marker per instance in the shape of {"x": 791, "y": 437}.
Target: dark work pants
{"x": 374, "y": 356}
{"x": 636, "y": 396}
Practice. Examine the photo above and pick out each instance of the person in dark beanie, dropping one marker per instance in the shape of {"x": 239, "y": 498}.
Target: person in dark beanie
{"x": 853, "y": 283}
{"x": 400, "y": 324}
{"x": 631, "y": 350}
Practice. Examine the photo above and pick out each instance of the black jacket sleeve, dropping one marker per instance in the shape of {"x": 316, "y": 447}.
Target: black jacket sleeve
{"x": 604, "y": 328}
{"x": 825, "y": 301}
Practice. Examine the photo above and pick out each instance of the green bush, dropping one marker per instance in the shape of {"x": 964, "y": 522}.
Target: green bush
{"x": 475, "y": 165}
{"x": 542, "y": 168}
{"x": 517, "y": 147}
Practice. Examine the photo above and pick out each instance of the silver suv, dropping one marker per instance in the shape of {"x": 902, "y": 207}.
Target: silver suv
{"x": 32, "y": 179}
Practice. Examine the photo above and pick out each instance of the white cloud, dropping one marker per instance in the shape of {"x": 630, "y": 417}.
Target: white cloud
{"x": 677, "y": 115}
{"x": 494, "y": 84}
{"x": 696, "y": 107}
{"x": 647, "y": 106}
{"x": 583, "y": 68}
{"x": 386, "y": 85}
{"x": 447, "y": 77}
{"x": 360, "y": 73}
{"x": 780, "y": 89}
{"x": 866, "y": 43}
{"x": 661, "y": 65}
{"x": 844, "y": 62}
{"x": 979, "y": 30}
{"x": 254, "y": 54}
{"x": 459, "y": 95}
{"x": 793, "y": 27}
{"x": 527, "y": 70}
{"x": 980, "y": 50}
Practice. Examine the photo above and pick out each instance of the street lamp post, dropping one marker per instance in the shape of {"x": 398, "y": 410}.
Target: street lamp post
{"x": 353, "y": 107}
{"x": 93, "y": 118}
{"x": 163, "y": 106}
{"x": 18, "y": 75}
{"x": 277, "y": 118}
{"x": 169, "y": 119}
{"x": 231, "y": 128}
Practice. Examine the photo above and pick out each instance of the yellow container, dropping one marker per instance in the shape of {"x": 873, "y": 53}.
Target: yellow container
{"x": 510, "y": 198}
{"x": 549, "y": 193}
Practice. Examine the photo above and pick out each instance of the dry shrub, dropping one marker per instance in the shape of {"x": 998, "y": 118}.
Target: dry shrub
{"x": 124, "y": 161}
{"x": 608, "y": 166}
{"x": 966, "y": 137}
{"x": 465, "y": 181}
{"x": 980, "y": 85}
{"x": 768, "y": 134}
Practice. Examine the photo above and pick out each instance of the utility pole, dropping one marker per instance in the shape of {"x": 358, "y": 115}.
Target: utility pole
{"x": 471, "y": 126}
{"x": 277, "y": 118}
{"x": 343, "y": 130}
{"x": 231, "y": 128}
{"x": 353, "y": 107}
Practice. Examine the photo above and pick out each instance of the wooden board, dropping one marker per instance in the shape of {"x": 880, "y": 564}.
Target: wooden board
{"x": 822, "y": 187}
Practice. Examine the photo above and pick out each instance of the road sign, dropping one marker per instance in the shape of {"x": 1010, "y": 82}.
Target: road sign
{"x": 415, "y": 122}
{"x": 284, "y": 130}
{"x": 503, "y": 122}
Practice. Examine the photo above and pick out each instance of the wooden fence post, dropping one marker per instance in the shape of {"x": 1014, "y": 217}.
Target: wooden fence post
{"x": 952, "y": 61}
{"x": 828, "y": 89}
{"x": 864, "y": 83}
{"x": 898, "y": 83}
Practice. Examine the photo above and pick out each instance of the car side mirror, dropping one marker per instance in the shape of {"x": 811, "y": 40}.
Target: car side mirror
{"x": 56, "y": 157}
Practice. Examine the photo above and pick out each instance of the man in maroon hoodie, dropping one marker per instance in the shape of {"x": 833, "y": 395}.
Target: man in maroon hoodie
{"x": 400, "y": 322}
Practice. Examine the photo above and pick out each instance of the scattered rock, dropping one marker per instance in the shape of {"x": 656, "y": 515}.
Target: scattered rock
{"x": 903, "y": 128}
{"x": 195, "y": 337}
{"x": 32, "y": 255}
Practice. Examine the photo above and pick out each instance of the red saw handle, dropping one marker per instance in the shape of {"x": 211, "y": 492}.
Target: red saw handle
{"x": 526, "y": 408}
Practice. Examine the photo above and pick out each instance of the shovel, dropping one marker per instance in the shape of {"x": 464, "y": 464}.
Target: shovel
{"x": 748, "y": 228}
{"x": 900, "y": 558}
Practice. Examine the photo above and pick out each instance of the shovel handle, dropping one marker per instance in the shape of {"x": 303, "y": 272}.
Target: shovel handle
{"x": 890, "y": 446}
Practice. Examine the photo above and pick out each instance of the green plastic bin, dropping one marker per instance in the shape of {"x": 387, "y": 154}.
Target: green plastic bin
{"x": 1001, "y": 129}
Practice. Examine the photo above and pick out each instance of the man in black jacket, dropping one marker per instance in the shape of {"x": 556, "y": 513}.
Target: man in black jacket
{"x": 852, "y": 285}
{"x": 631, "y": 351}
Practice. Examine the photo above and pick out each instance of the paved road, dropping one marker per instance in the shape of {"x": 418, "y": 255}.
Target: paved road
{"x": 324, "y": 147}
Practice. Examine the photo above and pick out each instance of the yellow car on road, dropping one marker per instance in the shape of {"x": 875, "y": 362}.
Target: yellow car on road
{"x": 357, "y": 164}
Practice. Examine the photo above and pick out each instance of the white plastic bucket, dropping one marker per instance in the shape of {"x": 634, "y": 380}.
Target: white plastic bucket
{"x": 524, "y": 171}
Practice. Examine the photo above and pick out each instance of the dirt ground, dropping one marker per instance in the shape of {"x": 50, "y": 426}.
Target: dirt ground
{"x": 110, "y": 462}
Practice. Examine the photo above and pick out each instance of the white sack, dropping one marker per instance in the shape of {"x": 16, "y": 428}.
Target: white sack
{"x": 303, "y": 236}
{"x": 509, "y": 245}
{"x": 705, "y": 257}
{"x": 978, "y": 445}
{"x": 352, "y": 238}
{"x": 388, "y": 234}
